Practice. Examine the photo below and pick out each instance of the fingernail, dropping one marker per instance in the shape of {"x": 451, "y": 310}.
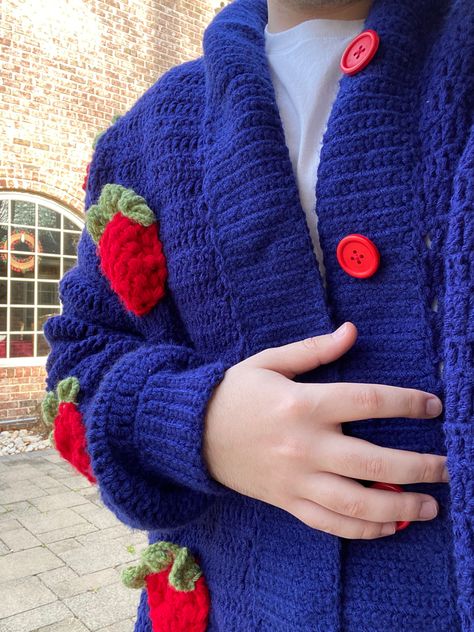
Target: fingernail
{"x": 388, "y": 529}
{"x": 340, "y": 331}
{"x": 433, "y": 407}
{"x": 445, "y": 475}
{"x": 429, "y": 509}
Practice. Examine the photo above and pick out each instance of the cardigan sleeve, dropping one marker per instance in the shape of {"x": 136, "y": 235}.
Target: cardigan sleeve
{"x": 142, "y": 397}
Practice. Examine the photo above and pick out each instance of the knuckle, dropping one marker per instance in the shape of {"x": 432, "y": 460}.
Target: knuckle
{"x": 375, "y": 468}
{"x": 292, "y": 448}
{"x": 312, "y": 342}
{"x": 293, "y": 405}
{"x": 412, "y": 407}
{"x": 429, "y": 469}
{"x": 368, "y": 399}
{"x": 410, "y": 508}
{"x": 369, "y": 531}
{"x": 354, "y": 507}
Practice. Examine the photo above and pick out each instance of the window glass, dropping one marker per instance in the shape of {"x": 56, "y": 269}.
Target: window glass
{"x": 49, "y": 267}
{"x": 3, "y": 211}
{"x": 42, "y": 345}
{"x": 23, "y": 213}
{"x": 50, "y": 241}
{"x": 68, "y": 225}
{"x": 47, "y": 218}
{"x": 3, "y": 237}
{"x": 22, "y": 318}
{"x": 3, "y": 291}
{"x": 70, "y": 241}
{"x": 47, "y": 293}
{"x": 21, "y": 345}
{"x": 22, "y": 292}
{"x": 68, "y": 263}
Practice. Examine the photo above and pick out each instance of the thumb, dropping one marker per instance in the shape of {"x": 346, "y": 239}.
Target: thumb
{"x": 309, "y": 353}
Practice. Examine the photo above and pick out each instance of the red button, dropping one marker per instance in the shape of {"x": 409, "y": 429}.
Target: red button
{"x": 358, "y": 256}
{"x": 391, "y": 487}
{"x": 359, "y": 52}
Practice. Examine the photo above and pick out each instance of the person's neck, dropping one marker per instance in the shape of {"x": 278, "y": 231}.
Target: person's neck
{"x": 283, "y": 15}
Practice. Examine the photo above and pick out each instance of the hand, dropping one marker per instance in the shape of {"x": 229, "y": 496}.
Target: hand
{"x": 281, "y": 441}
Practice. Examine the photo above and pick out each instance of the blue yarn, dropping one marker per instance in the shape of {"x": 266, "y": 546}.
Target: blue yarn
{"x": 206, "y": 149}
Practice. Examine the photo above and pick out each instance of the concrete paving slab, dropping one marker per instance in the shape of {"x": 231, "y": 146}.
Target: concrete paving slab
{"x": 85, "y": 583}
{"x": 94, "y": 608}
{"x": 99, "y": 516}
{"x": 58, "y": 501}
{"x": 35, "y": 619}
{"x": 27, "y": 563}
{"x": 70, "y": 624}
{"x": 18, "y": 539}
{"x": 67, "y": 532}
{"x": 19, "y": 491}
{"x": 96, "y": 557}
{"x": 51, "y": 520}
{"x": 75, "y": 483}
{"x": 56, "y": 576}
{"x": 23, "y": 594}
{"x": 122, "y": 626}
{"x": 22, "y": 508}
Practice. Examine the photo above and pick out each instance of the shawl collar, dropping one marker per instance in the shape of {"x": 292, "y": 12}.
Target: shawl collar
{"x": 249, "y": 185}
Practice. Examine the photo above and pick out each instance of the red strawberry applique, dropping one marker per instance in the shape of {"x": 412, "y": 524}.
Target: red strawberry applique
{"x": 131, "y": 255}
{"x": 68, "y": 431}
{"x": 177, "y": 593}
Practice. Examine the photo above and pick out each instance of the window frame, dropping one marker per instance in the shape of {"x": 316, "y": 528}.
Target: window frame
{"x": 38, "y": 200}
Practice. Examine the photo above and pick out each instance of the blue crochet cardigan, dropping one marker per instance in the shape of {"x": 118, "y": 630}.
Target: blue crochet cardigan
{"x": 204, "y": 146}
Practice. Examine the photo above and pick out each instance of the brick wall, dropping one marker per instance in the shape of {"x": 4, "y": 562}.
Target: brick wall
{"x": 66, "y": 69}
{"x": 21, "y": 390}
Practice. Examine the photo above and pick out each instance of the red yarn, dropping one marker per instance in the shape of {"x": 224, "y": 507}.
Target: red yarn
{"x": 132, "y": 258}
{"x": 70, "y": 438}
{"x": 84, "y": 184}
{"x": 174, "y": 610}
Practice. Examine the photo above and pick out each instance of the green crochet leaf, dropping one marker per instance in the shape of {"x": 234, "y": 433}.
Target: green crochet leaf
{"x": 115, "y": 198}
{"x": 96, "y": 138}
{"x": 49, "y": 407}
{"x": 51, "y": 439}
{"x": 158, "y": 556}
{"x": 68, "y": 389}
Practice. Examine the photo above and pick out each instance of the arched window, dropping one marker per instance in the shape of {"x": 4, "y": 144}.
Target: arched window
{"x": 38, "y": 244}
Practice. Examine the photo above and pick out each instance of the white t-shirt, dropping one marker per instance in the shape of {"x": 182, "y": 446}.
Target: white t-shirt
{"x": 304, "y": 65}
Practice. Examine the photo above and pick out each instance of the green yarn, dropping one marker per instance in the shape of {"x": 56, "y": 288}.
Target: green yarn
{"x": 51, "y": 439}
{"x": 68, "y": 389}
{"x": 184, "y": 572}
{"x": 158, "y": 556}
{"x": 49, "y": 408}
{"x": 115, "y": 198}
{"x": 96, "y": 138}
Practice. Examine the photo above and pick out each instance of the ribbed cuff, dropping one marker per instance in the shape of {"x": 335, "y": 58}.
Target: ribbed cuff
{"x": 157, "y": 413}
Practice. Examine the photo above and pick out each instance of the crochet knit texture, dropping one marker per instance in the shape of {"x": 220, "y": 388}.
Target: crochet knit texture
{"x": 205, "y": 148}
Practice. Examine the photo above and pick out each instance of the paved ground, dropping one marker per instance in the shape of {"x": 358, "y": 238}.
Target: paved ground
{"x": 61, "y": 551}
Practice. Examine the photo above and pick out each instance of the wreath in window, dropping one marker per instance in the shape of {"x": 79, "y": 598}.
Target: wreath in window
{"x": 18, "y": 262}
